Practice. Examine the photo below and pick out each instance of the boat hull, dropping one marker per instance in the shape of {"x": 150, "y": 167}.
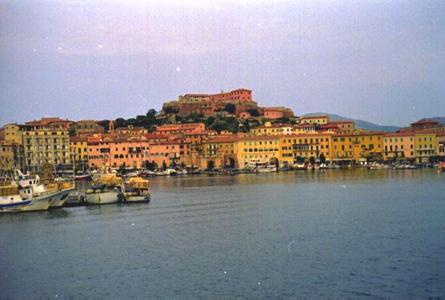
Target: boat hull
{"x": 106, "y": 197}
{"x": 39, "y": 203}
{"x": 60, "y": 198}
{"x": 137, "y": 199}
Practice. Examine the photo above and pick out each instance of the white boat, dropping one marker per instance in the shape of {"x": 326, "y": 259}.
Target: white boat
{"x": 102, "y": 196}
{"x": 10, "y": 199}
{"x": 42, "y": 197}
{"x": 267, "y": 169}
{"x": 106, "y": 189}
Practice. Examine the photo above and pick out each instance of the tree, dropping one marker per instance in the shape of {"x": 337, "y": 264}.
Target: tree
{"x": 209, "y": 121}
{"x": 253, "y": 112}
{"x": 164, "y": 165}
{"x": 151, "y": 113}
{"x": 312, "y": 160}
{"x": 120, "y": 122}
{"x": 230, "y": 108}
{"x": 210, "y": 164}
{"x": 322, "y": 158}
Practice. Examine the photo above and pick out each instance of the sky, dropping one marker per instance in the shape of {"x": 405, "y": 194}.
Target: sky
{"x": 381, "y": 61}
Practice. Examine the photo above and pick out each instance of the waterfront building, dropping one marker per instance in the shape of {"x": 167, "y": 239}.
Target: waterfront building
{"x": 220, "y": 151}
{"x": 170, "y": 154}
{"x": 319, "y": 120}
{"x": 441, "y": 144}
{"x": 258, "y": 149}
{"x": 305, "y": 147}
{"x": 360, "y": 146}
{"x": 426, "y": 146}
{"x": 122, "y": 152}
{"x": 398, "y": 146}
{"x": 11, "y": 155}
{"x": 43, "y": 145}
{"x": 79, "y": 151}
{"x": 272, "y": 129}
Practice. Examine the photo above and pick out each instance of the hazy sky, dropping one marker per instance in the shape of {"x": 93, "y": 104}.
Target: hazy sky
{"x": 383, "y": 61}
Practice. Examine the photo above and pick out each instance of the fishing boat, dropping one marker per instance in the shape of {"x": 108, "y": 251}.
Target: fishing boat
{"x": 136, "y": 190}
{"x": 10, "y": 199}
{"x": 41, "y": 196}
{"x": 106, "y": 189}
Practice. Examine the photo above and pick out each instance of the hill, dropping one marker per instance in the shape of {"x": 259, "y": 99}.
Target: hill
{"x": 359, "y": 123}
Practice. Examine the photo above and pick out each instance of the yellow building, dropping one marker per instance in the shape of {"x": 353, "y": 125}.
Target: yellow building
{"x": 441, "y": 144}
{"x": 272, "y": 129}
{"x": 358, "y": 146}
{"x": 46, "y": 145}
{"x": 398, "y": 145}
{"x": 12, "y": 133}
{"x": 426, "y": 146}
{"x": 220, "y": 150}
{"x": 79, "y": 151}
{"x": 11, "y": 156}
{"x": 257, "y": 149}
{"x": 303, "y": 147}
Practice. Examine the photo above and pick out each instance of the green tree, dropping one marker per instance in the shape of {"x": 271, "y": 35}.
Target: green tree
{"x": 253, "y": 112}
{"x": 230, "y": 108}
{"x": 312, "y": 160}
{"x": 151, "y": 113}
{"x": 120, "y": 122}
{"x": 322, "y": 158}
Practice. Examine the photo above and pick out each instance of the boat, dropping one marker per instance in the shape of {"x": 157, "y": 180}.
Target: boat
{"x": 265, "y": 169}
{"x": 136, "y": 190}
{"x": 10, "y": 199}
{"x": 75, "y": 198}
{"x": 42, "y": 196}
{"x": 301, "y": 166}
{"x": 106, "y": 189}
{"x": 82, "y": 177}
{"x": 101, "y": 194}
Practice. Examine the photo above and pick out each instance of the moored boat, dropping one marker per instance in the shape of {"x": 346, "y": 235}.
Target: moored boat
{"x": 101, "y": 194}
{"x": 106, "y": 189}
{"x": 10, "y": 199}
{"x": 136, "y": 190}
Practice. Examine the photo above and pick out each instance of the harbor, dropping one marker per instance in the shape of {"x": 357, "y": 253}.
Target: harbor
{"x": 332, "y": 234}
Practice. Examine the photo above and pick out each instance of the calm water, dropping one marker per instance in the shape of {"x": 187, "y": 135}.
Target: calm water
{"x": 333, "y": 234}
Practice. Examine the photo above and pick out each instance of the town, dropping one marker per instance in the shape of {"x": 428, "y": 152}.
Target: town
{"x": 208, "y": 132}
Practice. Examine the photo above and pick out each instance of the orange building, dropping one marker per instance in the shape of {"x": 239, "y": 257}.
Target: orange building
{"x": 117, "y": 152}
{"x": 170, "y": 154}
